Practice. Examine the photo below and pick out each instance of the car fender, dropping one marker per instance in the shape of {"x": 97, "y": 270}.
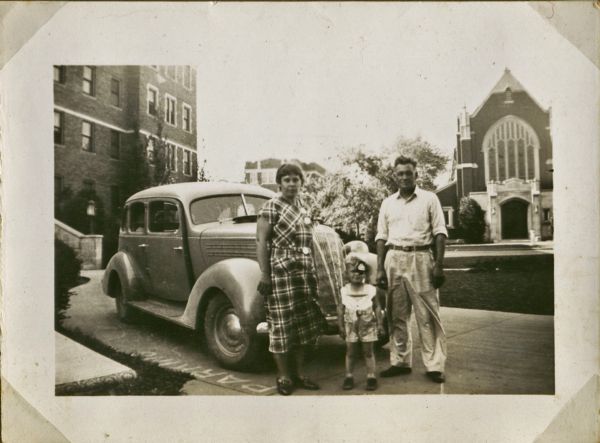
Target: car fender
{"x": 238, "y": 278}
{"x": 122, "y": 266}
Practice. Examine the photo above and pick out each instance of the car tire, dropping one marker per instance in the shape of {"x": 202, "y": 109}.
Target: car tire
{"x": 227, "y": 340}
{"x": 125, "y": 312}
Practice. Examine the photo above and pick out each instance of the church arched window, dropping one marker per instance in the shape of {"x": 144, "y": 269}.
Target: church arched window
{"x": 511, "y": 150}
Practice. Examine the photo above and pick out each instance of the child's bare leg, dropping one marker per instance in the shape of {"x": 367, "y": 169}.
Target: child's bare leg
{"x": 369, "y": 355}
{"x": 350, "y": 357}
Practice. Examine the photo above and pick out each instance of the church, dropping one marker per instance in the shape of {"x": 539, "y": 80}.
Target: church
{"x": 503, "y": 160}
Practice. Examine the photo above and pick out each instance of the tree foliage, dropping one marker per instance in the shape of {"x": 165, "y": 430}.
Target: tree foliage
{"x": 349, "y": 198}
{"x": 472, "y": 220}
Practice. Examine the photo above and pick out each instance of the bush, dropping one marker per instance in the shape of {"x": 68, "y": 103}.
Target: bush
{"x": 66, "y": 275}
{"x": 472, "y": 220}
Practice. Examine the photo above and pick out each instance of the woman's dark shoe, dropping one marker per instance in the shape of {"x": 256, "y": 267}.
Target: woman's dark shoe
{"x": 371, "y": 384}
{"x": 348, "y": 383}
{"x": 285, "y": 386}
{"x": 306, "y": 383}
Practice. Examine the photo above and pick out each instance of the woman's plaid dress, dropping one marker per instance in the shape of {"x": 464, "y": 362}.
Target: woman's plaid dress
{"x": 293, "y": 314}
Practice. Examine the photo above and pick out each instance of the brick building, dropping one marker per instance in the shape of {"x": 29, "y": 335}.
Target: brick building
{"x": 101, "y": 111}
{"x": 263, "y": 172}
{"x": 503, "y": 160}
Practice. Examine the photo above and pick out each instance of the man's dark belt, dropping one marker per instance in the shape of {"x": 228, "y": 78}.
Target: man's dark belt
{"x": 409, "y": 248}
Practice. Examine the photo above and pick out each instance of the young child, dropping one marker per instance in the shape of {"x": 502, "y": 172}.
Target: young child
{"x": 360, "y": 319}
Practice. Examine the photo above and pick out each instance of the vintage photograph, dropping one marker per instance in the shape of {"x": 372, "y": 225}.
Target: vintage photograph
{"x": 299, "y": 221}
{"x": 413, "y": 268}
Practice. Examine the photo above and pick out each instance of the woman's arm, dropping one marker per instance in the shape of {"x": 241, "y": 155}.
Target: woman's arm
{"x": 263, "y": 237}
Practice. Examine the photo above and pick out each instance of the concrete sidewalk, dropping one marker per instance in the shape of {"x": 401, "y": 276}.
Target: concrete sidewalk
{"x": 79, "y": 368}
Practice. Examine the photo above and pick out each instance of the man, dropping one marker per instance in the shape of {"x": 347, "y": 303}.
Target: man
{"x": 411, "y": 222}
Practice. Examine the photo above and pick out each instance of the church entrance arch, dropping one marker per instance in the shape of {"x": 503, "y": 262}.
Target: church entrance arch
{"x": 514, "y": 219}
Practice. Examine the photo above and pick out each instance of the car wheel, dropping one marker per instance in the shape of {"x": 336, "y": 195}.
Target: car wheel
{"x": 226, "y": 338}
{"x": 125, "y": 312}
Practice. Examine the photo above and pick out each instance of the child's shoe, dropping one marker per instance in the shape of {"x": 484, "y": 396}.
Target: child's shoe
{"x": 348, "y": 383}
{"x": 371, "y": 384}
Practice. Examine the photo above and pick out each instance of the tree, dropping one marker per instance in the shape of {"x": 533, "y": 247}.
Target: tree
{"x": 430, "y": 160}
{"x": 349, "y": 198}
{"x": 472, "y": 220}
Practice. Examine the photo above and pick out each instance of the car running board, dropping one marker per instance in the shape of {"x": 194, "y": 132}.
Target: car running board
{"x": 166, "y": 310}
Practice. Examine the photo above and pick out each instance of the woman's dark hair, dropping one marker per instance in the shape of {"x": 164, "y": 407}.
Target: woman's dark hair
{"x": 289, "y": 169}
{"x": 404, "y": 160}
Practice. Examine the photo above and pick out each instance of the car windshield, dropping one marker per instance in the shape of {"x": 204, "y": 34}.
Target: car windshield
{"x": 224, "y": 207}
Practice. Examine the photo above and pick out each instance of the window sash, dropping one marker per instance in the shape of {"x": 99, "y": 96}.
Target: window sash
{"x": 187, "y": 118}
{"x": 58, "y": 127}
{"x": 187, "y": 162}
{"x": 87, "y": 136}
{"x": 170, "y": 110}
{"x": 152, "y": 101}
{"x": 115, "y": 144}
{"x": 88, "y": 80}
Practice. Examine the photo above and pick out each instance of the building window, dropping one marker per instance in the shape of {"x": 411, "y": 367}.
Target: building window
{"x": 59, "y": 124}
{"x": 170, "y": 107}
{"x": 172, "y": 72}
{"x": 87, "y": 136}
{"x": 89, "y": 185}
{"x": 59, "y": 74}
{"x": 511, "y": 149}
{"x": 115, "y": 144}
{"x": 115, "y": 92}
{"x": 187, "y": 162}
{"x": 508, "y": 96}
{"x": 150, "y": 150}
{"x": 172, "y": 157}
{"x": 187, "y": 77}
{"x": 546, "y": 212}
{"x": 187, "y": 117}
{"x": 152, "y": 98}
{"x": 89, "y": 74}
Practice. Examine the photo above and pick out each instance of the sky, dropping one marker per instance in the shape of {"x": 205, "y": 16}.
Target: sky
{"x": 300, "y": 82}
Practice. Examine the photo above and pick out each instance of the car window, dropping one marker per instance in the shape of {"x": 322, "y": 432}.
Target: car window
{"x": 254, "y": 203}
{"x": 136, "y": 217}
{"x": 216, "y": 209}
{"x": 163, "y": 216}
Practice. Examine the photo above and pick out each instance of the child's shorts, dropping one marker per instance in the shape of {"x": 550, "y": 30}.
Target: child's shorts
{"x": 360, "y": 325}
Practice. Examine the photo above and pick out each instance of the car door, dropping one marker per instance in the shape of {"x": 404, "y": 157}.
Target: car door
{"x": 134, "y": 239}
{"x": 166, "y": 252}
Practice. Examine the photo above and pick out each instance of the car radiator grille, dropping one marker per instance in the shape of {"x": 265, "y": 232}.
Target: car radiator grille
{"x": 329, "y": 263}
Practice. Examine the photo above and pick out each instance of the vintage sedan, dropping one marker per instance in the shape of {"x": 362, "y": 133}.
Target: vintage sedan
{"x": 187, "y": 254}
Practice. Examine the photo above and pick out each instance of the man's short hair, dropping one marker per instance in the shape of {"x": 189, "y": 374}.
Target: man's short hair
{"x": 405, "y": 160}
{"x": 288, "y": 169}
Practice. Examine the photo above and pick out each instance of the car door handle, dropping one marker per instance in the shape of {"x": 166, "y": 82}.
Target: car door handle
{"x": 178, "y": 248}
{"x": 143, "y": 245}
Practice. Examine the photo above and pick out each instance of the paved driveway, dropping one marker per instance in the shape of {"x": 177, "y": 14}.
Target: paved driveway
{"x": 488, "y": 353}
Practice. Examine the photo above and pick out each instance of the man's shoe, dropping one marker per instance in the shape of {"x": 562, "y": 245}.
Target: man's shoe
{"x": 348, "y": 383}
{"x": 436, "y": 376}
{"x": 305, "y": 383}
{"x": 285, "y": 386}
{"x": 392, "y": 371}
{"x": 371, "y": 384}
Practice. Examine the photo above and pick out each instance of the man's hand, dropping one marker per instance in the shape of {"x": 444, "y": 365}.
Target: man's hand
{"x": 380, "y": 329}
{"x": 438, "y": 276}
{"x": 381, "y": 279}
{"x": 265, "y": 287}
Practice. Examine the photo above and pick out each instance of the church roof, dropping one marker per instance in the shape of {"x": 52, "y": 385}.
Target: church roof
{"x": 506, "y": 81}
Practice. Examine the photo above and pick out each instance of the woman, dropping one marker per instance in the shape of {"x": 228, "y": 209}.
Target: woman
{"x": 288, "y": 282}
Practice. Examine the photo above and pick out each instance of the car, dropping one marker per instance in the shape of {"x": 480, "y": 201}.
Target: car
{"x": 187, "y": 254}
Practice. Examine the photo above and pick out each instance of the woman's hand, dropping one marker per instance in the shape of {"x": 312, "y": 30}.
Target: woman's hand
{"x": 265, "y": 287}
{"x": 342, "y": 330}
